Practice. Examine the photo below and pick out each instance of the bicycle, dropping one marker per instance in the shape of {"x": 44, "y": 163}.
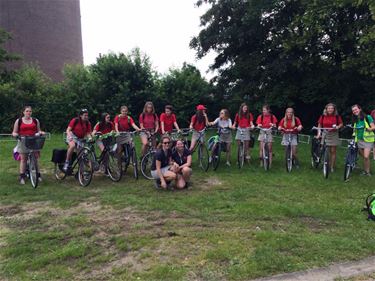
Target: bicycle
{"x": 241, "y": 148}
{"x": 289, "y": 158}
{"x": 217, "y": 147}
{"x": 265, "y": 148}
{"x": 351, "y": 156}
{"x": 200, "y": 146}
{"x": 82, "y": 159}
{"x": 322, "y": 153}
{"x": 33, "y": 145}
{"x": 108, "y": 157}
{"x": 147, "y": 159}
{"x": 129, "y": 154}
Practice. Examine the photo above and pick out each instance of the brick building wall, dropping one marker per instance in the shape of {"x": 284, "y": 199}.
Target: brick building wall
{"x": 46, "y": 32}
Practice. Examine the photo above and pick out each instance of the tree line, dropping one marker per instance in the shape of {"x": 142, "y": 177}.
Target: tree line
{"x": 298, "y": 53}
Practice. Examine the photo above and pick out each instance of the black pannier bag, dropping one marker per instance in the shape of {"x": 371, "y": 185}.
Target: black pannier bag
{"x": 59, "y": 156}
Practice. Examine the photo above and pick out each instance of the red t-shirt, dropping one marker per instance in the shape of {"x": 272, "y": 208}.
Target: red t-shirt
{"x": 148, "y": 121}
{"x": 109, "y": 128}
{"x": 267, "y": 120}
{"x": 81, "y": 129}
{"x": 198, "y": 126}
{"x": 28, "y": 129}
{"x": 289, "y": 125}
{"x": 124, "y": 123}
{"x": 327, "y": 121}
{"x": 244, "y": 122}
{"x": 168, "y": 121}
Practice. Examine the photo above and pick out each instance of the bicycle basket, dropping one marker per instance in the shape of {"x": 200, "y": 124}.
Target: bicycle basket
{"x": 33, "y": 143}
{"x": 109, "y": 141}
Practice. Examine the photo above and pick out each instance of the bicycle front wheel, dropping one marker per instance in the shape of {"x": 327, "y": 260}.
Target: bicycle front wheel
{"x": 85, "y": 170}
{"x": 326, "y": 163}
{"x": 216, "y": 156}
{"x": 240, "y": 155}
{"x": 288, "y": 159}
{"x": 146, "y": 165}
{"x": 114, "y": 166}
{"x": 347, "y": 171}
{"x": 203, "y": 157}
{"x": 135, "y": 163}
{"x": 266, "y": 157}
{"x": 33, "y": 170}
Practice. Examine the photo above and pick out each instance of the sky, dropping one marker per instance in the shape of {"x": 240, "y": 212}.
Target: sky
{"x": 162, "y": 29}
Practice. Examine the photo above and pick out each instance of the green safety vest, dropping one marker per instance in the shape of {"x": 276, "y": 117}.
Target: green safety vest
{"x": 367, "y": 136}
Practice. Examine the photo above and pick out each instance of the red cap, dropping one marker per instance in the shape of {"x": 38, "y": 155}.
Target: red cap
{"x": 201, "y": 107}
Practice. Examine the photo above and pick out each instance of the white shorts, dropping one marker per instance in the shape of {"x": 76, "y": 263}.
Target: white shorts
{"x": 293, "y": 141}
{"x": 155, "y": 174}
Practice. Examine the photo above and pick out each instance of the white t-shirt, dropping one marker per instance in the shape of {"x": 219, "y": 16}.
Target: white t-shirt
{"x": 221, "y": 123}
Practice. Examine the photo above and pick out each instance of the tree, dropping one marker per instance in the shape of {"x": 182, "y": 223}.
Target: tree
{"x": 292, "y": 53}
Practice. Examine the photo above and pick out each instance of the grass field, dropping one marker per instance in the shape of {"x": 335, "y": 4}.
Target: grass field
{"x": 231, "y": 225}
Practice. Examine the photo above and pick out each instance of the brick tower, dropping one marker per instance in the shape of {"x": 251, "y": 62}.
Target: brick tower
{"x": 45, "y": 32}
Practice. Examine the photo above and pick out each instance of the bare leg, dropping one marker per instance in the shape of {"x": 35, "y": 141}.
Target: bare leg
{"x": 366, "y": 159}
{"x": 333, "y": 157}
{"x": 23, "y": 163}
{"x": 270, "y": 152}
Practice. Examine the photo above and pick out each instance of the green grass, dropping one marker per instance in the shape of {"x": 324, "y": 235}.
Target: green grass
{"x": 232, "y": 225}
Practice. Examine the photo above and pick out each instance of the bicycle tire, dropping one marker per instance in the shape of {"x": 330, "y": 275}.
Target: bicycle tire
{"x": 240, "y": 155}
{"x": 58, "y": 172}
{"x": 114, "y": 166}
{"x": 203, "y": 157}
{"x": 85, "y": 169}
{"x": 135, "y": 163}
{"x": 288, "y": 159}
{"x": 126, "y": 157}
{"x": 347, "y": 171}
{"x": 33, "y": 170}
{"x": 325, "y": 163}
{"x": 146, "y": 165}
{"x": 216, "y": 156}
{"x": 266, "y": 157}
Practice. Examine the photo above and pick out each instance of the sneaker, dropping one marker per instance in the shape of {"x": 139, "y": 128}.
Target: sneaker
{"x": 22, "y": 179}
{"x": 228, "y": 164}
{"x": 66, "y": 167}
{"x": 39, "y": 177}
{"x": 210, "y": 159}
{"x": 157, "y": 184}
{"x": 332, "y": 170}
{"x": 364, "y": 173}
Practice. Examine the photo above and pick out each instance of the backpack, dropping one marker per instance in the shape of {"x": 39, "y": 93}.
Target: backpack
{"x": 119, "y": 124}
{"x": 76, "y": 120}
{"x": 273, "y": 118}
{"x": 322, "y": 117}
{"x": 35, "y": 121}
{"x": 370, "y": 207}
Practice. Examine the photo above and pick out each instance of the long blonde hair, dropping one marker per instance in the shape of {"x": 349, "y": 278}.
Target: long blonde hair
{"x": 286, "y": 118}
{"x": 147, "y": 104}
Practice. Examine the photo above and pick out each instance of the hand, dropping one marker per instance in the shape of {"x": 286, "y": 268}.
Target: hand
{"x": 15, "y": 135}
{"x": 163, "y": 184}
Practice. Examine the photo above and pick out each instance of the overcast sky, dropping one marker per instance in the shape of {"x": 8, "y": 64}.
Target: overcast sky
{"x": 162, "y": 29}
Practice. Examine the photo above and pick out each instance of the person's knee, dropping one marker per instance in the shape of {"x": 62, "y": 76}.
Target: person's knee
{"x": 186, "y": 171}
{"x": 170, "y": 176}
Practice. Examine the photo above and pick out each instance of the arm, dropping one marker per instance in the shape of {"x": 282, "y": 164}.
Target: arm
{"x": 156, "y": 125}
{"x": 158, "y": 170}
{"x": 162, "y": 127}
{"x": 136, "y": 127}
{"x": 176, "y": 126}
{"x": 15, "y": 129}
{"x": 188, "y": 163}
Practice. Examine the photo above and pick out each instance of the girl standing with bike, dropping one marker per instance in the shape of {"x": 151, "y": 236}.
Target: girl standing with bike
{"x": 198, "y": 122}
{"x": 168, "y": 120}
{"x": 123, "y": 124}
{"x": 148, "y": 121}
{"x": 364, "y": 128}
{"x": 244, "y": 122}
{"x": 224, "y": 124}
{"x": 26, "y": 126}
{"x": 266, "y": 121}
{"x": 290, "y": 126}
{"x": 103, "y": 127}
{"x": 330, "y": 119}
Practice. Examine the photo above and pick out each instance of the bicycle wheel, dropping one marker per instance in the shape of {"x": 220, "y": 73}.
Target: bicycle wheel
{"x": 326, "y": 163}
{"x": 216, "y": 156}
{"x": 135, "y": 163}
{"x": 85, "y": 169}
{"x": 347, "y": 171}
{"x": 126, "y": 157}
{"x": 240, "y": 155}
{"x": 114, "y": 166}
{"x": 288, "y": 159}
{"x": 203, "y": 157}
{"x": 266, "y": 157}
{"x": 58, "y": 172}
{"x": 33, "y": 170}
{"x": 146, "y": 165}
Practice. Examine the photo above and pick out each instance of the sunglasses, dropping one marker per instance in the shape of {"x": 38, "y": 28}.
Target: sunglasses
{"x": 167, "y": 142}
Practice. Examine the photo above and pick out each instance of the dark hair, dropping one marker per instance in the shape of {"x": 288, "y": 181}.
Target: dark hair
{"x": 163, "y": 137}
{"x": 104, "y": 124}
{"x": 83, "y": 111}
{"x": 24, "y": 108}
{"x": 361, "y": 115}
{"x": 266, "y": 106}
{"x": 199, "y": 116}
{"x": 168, "y": 107}
{"x": 240, "y": 111}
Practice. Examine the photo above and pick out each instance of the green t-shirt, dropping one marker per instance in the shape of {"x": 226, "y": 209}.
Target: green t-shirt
{"x": 361, "y": 124}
